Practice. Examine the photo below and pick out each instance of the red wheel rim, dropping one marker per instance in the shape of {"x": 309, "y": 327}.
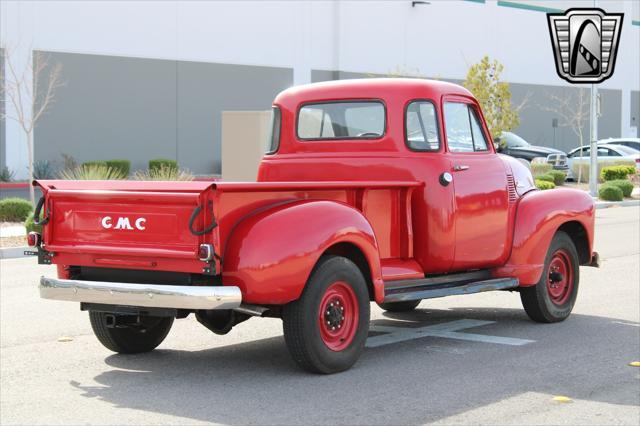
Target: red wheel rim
{"x": 338, "y": 316}
{"x": 560, "y": 277}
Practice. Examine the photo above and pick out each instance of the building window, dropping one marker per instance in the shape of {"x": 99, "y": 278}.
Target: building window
{"x": 341, "y": 120}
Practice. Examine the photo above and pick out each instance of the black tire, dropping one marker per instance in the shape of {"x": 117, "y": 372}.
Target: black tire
{"x": 539, "y": 304}
{"x": 409, "y": 305}
{"x": 130, "y": 339}
{"x": 302, "y": 319}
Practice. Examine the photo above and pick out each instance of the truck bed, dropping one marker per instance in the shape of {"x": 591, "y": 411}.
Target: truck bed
{"x": 79, "y": 211}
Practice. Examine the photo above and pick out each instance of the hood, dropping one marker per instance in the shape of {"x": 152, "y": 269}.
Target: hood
{"x": 537, "y": 150}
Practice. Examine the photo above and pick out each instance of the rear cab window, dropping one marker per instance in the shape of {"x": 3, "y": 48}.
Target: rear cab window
{"x": 341, "y": 120}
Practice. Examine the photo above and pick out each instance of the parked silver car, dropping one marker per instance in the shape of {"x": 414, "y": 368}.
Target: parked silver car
{"x": 606, "y": 153}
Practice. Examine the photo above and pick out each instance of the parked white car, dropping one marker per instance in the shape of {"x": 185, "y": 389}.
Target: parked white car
{"x": 629, "y": 142}
{"x": 606, "y": 154}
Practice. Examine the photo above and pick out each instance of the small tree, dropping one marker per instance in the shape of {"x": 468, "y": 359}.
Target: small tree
{"x": 30, "y": 93}
{"x": 573, "y": 112}
{"x": 494, "y": 96}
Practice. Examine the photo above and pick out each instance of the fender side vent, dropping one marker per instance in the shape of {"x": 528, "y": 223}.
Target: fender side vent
{"x": 511, "y": 188}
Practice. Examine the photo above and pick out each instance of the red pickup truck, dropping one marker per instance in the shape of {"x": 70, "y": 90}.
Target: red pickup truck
{"x": 385, "y": 190}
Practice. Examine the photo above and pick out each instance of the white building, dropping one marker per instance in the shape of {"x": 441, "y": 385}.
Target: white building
{"x": 147, "y": 79}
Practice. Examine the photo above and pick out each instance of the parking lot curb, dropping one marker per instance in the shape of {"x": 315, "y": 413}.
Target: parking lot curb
{"x": 625, "y": 203}
{"x": 12, "y": 252}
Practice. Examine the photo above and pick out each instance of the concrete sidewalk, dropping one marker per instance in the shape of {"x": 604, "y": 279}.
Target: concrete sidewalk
{"x": 606, "y": 204}
{"x": 12, "y": 230}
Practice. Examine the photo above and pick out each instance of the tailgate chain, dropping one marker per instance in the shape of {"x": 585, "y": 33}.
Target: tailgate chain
{"x": 194, "y": 215}
{"x": 36, "y": 214}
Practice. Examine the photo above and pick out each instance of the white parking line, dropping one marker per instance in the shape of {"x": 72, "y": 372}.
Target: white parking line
{"x": 447, "y": 330}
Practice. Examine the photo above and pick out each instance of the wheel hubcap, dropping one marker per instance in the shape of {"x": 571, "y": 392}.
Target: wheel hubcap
{"x": 338, "y": 316}
{"x": 560, "y": 277}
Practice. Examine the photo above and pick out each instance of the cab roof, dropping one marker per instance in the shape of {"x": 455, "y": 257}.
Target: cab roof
{"x": 379, "y": 88}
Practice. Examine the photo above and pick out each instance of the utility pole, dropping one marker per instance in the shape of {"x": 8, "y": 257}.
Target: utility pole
{"x": 593, "y": 168}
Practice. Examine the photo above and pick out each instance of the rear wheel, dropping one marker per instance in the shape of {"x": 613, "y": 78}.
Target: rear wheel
{"x": 409, "y": 305}
{"x": 553, "y": 297}
{"x": 326, "y": 328}
{"x": 129, "y": 334}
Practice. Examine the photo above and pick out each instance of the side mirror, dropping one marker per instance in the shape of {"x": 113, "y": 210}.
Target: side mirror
{"x": 497, "y": 146}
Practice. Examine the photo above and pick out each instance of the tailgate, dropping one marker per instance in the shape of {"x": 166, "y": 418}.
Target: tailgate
{"x": 125, "y": 224}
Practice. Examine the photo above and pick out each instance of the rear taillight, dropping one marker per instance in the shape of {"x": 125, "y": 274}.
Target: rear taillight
{"x": 205, "y": 252}
{"x": 33, "y": 239}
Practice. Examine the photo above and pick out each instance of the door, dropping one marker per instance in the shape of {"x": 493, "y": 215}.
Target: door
{"x": 480, "y": 187}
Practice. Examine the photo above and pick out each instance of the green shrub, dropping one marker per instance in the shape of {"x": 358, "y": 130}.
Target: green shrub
{"x": 610, "y": 193}
{"x": 625, "y": 186}
{"x": 616, "y": 172}
{"x": 14, "y": 209}
{"x": 544, "y": 184}
{"x": 539, "y": 169}
{"x": 32, "y": 227}
{"x": 601, "y": 165}
{"x": 6, "y": 174}
{"x": 158, "y": 163}
{"x": 558, "y": 177}
{"x": 123, "y": 165}
{"x": 95, "y": 163}
{"x": 164, "y": 172}
{"x": 546, "y": 177}
{"x": 92, "y": 172}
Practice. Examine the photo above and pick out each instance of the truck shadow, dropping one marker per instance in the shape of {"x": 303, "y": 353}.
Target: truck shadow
{"x": 415, "y": 381}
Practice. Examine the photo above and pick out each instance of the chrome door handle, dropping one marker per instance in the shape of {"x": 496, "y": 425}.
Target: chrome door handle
{"x": 459, "y": 168}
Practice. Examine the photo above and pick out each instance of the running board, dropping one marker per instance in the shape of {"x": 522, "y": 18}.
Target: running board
{"x": 427, "y": 289}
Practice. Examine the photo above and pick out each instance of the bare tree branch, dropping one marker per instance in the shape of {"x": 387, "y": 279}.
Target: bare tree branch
{"x": 573, "y": 112}
{"x": 24, "y": 93}
{"x": 525, "y": 101}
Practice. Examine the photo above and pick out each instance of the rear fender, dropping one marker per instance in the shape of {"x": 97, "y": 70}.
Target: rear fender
{"x": 539, "y": 215}
{"x": 270, "y": 255}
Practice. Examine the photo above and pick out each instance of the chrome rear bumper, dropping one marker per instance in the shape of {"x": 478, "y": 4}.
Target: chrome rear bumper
{"x": 148, "y": 295}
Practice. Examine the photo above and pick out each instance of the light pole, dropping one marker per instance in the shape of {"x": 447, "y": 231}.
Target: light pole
{"x": 593, "y": 134}
{"x": 593, "y": 167}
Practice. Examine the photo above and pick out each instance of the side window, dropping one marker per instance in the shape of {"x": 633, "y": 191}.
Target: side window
{"x": 479, "y": 141}
{"x": 612, "y": 153}
{"x": 456, "y": 120}
{"x": 273, "y": 142}
{"x": 421, "y": 127}
{"x": 464, "y": 132}
{"x": 579, "y": 153}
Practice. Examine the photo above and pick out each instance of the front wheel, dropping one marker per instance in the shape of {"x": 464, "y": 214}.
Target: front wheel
{"x": 129, "y": 334}
{"x": 553, "y": 297}
{"x": 326, "y": 328}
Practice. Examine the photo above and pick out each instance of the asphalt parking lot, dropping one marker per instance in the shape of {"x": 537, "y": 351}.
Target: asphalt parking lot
{"x": 461, "y": 360}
